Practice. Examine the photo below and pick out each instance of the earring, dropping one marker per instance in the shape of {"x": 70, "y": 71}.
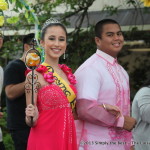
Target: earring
{"x": 64, "y": 56}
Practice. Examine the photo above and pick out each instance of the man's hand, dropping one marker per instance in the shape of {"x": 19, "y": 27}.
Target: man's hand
{"x": 129, "y": 123}
{"x": 132, "y": 147}
{"x": 112, "y": 109}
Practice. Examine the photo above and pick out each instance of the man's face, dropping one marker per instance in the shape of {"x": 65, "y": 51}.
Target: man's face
{"x": 111, "y": 41}
{"x": 1, "y": 42}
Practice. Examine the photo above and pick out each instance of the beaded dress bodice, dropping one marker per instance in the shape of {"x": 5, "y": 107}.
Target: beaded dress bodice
{"x": 51, "y": 97}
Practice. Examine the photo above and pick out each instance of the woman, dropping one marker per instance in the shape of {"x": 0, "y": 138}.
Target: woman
{"x": 53, "y": 124}
{"x": 141, "y": 112}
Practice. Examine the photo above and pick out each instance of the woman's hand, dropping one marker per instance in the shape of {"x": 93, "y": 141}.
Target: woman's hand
{"x": 31, "y": 111}
{"x": 112, "y": 109}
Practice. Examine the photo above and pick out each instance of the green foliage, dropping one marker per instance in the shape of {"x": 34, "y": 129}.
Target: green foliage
{"x": 11, "y": 49}
{"x": 6, "y": 136}
{"x": 13, "y": 20}
{"x": 79, "y": 51}
{"x": 111, "y": 9}
{"x": 131, "y": 2}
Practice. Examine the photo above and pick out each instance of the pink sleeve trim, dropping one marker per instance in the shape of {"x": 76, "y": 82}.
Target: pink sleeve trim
{"x": 89, "y": 110}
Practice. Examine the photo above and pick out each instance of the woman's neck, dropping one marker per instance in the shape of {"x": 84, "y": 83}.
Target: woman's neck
{"x": 52, "y": 62}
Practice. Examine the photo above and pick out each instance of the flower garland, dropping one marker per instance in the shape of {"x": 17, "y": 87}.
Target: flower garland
{"x": 69, "y": 73}
{"x": 48, "y": 76}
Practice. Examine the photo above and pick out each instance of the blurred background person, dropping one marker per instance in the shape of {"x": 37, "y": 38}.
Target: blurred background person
{"x": 141, "y": 112}
{"x": 14, "y": 82}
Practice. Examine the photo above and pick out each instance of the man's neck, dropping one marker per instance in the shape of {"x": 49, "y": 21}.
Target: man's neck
{"x": 22, "y": 59}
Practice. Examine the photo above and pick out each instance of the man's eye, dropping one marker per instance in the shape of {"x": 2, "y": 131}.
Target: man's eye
{"x": 120, "y": 33}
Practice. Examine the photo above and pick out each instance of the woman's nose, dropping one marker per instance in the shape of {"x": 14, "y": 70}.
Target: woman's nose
{"x": 56, "y": 42}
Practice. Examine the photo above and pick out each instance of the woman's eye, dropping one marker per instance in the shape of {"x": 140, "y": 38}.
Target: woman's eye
{"x": 61, "y": 39}
{"x": 51, "y": 38}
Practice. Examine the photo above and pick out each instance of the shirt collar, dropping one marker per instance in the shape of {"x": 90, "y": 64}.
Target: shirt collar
{"x": 106, "y": 57}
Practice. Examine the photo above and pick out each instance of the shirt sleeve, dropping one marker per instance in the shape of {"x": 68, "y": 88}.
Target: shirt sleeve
{"x": 12, "y": 74}
{"x": 144, "y": 104}
{"x": 88, "y": 84}
{"x": 92, "y": 112}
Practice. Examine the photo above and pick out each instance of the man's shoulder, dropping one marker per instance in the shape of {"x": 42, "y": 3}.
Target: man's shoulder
{"x": 16, "y": 62}
{"x": 89, "y": 61}
{"x": 91, "y": 64}
{"x": 144, "y": 90}
{"x": 124, "y": 70}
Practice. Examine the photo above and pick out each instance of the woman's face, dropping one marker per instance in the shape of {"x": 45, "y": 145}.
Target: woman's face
{"x": 54, "y": 42}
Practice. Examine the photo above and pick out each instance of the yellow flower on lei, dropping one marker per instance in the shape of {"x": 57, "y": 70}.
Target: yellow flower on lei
{"x": 3, "y": 5}
{"x": 146, "y": 3}
{"x": 1, "y": 20}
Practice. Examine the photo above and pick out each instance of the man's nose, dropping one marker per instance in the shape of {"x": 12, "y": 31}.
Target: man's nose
{"x": 116, "y": 36}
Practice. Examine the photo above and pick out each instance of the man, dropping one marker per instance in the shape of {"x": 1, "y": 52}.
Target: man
{"x": 103, "y": 100}
{"x": 2, "y": 147}
{"x": 14, "y": 82}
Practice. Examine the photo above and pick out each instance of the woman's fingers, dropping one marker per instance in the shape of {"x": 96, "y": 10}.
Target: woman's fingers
{"x": 111, "y": 107}
{"x": 30, "y": 110}
{"x": 113, "y": 110}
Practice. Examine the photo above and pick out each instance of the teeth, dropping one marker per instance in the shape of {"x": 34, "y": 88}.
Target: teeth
{"x": 116, "y": 44}
{"x": 56, "y": 50}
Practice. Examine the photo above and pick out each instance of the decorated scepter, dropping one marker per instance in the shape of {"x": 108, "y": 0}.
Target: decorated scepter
{"x": 32, "y": 61}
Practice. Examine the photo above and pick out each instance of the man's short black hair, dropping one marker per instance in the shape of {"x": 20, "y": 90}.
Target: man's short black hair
{"x": 28, "y": 39}
{"x": 101, "y": 23}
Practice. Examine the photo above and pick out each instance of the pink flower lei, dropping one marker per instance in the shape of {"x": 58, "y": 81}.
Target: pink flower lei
{"x": 68, "y": 73}
{"x": 49, "y": 75}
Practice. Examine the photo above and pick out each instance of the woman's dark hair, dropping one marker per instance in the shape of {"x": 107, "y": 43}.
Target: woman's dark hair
{"x": 100, "y": 24}
{"x": 50, "y": 23}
